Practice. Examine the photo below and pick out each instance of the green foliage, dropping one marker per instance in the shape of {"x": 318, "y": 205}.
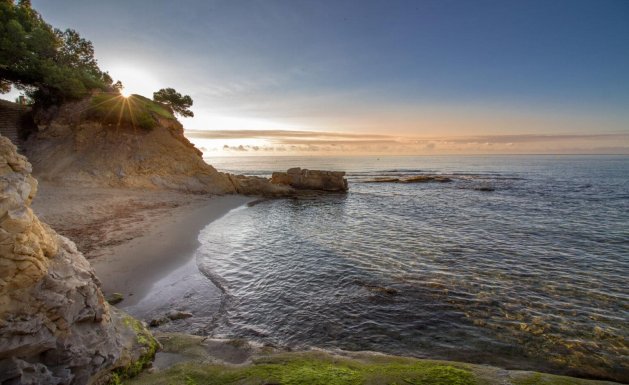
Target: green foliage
{"x": 180, "y": 104}
{"x": 49, "y": 64}
{"x": 117, "y": 86}
{"x": 135, "y": 111}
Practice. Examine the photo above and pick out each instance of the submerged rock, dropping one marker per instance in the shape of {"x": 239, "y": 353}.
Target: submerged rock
{"x": 304, "y": 179}
{"x": 55, "y": 325}
{"x": 425, "y": 178}
{"x": 177, "y": 315}
{"x": 411, "y": 179}
{"x": 485, "y": 188}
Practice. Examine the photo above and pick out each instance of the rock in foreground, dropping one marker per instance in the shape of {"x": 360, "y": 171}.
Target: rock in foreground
{"x": 55, "y": 325}
{"x": 303, "y": 179}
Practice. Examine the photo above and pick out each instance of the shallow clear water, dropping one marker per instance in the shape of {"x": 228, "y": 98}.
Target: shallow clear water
{"x": 531, "y": 275}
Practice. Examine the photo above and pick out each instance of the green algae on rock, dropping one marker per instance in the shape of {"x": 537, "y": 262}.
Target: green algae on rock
{"x": 194, "y": 360}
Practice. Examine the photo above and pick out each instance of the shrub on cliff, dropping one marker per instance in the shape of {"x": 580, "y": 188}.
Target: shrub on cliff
{"x": 49, "y": 64}
{"x": 179, "y": 103}
{"x": 134, "y": 111}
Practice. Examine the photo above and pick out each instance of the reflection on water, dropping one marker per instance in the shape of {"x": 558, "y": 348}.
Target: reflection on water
{"x": 528, "y": 274}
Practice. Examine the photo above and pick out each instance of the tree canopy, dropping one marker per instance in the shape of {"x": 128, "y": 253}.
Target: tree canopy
{"x": 179, "y": 104}
{"x": 49, "y": 64}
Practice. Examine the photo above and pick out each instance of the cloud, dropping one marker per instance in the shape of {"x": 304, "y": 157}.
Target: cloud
{"x": 270, "y": 134}
{"x": 235, "y": 148}
{"x": 300, "y": 141}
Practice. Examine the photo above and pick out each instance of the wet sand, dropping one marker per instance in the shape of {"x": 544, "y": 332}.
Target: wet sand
{"x": 133, "y": 238}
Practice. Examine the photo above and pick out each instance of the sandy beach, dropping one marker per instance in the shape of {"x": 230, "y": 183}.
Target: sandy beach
{"x": 133, "y": 238}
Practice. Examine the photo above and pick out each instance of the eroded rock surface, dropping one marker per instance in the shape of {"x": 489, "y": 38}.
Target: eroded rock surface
{"x": 255, "y": 185}
{"x": 55, "y": 326}
{"x": 304, "y": 179}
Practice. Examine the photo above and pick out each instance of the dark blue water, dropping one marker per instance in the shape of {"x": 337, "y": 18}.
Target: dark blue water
{"x": 520, "y": 261}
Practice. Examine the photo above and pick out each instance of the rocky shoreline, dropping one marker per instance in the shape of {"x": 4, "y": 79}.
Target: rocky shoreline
{"x": 134, "y": 201}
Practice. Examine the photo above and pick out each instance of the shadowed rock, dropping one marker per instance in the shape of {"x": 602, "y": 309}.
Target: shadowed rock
{"x": 55, "y": 325}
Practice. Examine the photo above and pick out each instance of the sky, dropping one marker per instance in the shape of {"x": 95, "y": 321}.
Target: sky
{"x": 374, "y": 77}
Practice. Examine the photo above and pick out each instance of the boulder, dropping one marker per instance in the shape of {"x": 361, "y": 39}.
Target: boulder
{"x": 255, "y": 185}
{"x": 55, "y": 325}
{"x": 304, "y": 179}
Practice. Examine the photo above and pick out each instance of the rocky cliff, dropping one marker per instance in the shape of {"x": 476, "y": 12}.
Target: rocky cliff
{"x": 55, "y": 326}
{"x": 111, "y": 141}
{"x": 108, "y": 140}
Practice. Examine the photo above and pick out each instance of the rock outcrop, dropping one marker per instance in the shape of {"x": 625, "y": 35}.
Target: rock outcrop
{"x": 255, "y": 185}
{"x": 55, "y": 325}
{"x": 74, "y": 145}
{"x": 106, "y": 140}
{"x": 303, "y": 179}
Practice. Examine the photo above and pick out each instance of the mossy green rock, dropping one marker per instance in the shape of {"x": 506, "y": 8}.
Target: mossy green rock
{"x": 201, "y": 361}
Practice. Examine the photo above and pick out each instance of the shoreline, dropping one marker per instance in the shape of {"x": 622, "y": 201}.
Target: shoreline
{"x": 132, "y": 238}
{"x": 153, "y": 265}
{"x": 134, "y": 268}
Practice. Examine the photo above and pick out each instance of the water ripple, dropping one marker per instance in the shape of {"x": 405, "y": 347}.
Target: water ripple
{"x": 531, "y": 275}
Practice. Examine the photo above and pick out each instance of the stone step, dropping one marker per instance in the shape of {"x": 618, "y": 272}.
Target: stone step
{"x": 10, "y": 121}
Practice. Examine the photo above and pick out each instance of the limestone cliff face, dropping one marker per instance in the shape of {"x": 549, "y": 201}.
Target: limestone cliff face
{"x": 55, "y": 326}
{"x": 70, "y": 147}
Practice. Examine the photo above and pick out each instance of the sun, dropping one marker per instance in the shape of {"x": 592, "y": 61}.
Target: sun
{"x": 135, "y": 79}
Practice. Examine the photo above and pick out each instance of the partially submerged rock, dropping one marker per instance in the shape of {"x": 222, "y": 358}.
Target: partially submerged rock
{"x": 255, "y": 185}
{"x": 55, "y": 325}
{"x": 173, "y": 315}
{"x": 115, "y": 298}
{"x": 304, "y": 179}
{"x": 291, "y": 183}
{"x": 177, "y": 315}
{"x": 412, "y": 179}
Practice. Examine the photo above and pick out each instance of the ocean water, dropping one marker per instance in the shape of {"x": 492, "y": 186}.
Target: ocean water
{"x": 520, "y": 261}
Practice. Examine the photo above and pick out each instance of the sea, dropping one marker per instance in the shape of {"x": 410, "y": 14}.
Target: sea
{"x": 520, "y": 261}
